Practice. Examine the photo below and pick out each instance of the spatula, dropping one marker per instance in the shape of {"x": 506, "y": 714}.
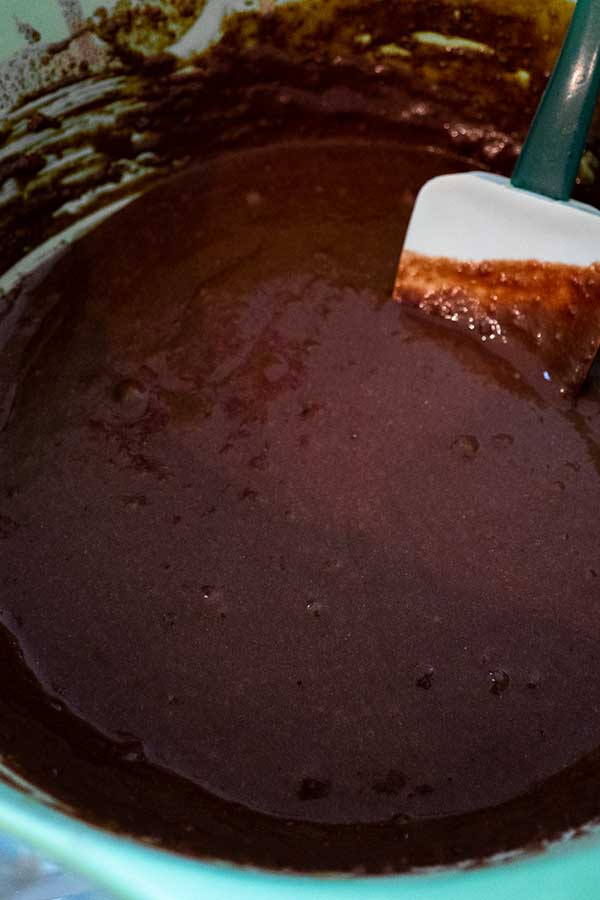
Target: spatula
{"x": 517, "y": 262}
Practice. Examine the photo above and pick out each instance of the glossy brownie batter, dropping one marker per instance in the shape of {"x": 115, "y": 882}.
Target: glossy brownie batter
{"x": 291, "y": 554}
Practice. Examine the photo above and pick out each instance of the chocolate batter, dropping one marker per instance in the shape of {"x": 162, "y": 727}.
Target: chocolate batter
{"x": 288, "y": 575}
{"x": 265, "y": 532}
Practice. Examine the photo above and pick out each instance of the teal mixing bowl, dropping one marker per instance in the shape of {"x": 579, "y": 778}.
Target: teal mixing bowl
{"x": 567, "y": 870}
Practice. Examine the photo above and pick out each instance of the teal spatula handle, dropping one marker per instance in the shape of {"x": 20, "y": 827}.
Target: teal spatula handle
{"x": 551, "y": 154}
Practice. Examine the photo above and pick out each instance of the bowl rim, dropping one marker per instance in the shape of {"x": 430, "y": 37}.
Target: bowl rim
{"x": 133, "y": 870}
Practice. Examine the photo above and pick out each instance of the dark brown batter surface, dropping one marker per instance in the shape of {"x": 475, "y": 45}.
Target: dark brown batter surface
{"x": 297, "y": 556}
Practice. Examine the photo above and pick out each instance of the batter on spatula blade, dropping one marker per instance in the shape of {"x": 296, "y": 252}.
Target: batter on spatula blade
{"x": 551, "y": 310}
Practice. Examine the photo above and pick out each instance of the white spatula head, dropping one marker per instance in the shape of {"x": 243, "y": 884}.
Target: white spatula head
{"x": 475, "y": 216}
{"x": 507, "y": 264}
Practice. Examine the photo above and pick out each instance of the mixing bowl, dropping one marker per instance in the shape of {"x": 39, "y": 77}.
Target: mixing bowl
{"x": 36, "y": 56}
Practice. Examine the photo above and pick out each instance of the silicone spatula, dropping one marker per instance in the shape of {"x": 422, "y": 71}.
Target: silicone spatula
{"x": 517, "y": 259}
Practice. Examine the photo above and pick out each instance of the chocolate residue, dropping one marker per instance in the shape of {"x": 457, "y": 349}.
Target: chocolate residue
{"x": 142, "y": 114}
{"x": 552, "y": 309}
